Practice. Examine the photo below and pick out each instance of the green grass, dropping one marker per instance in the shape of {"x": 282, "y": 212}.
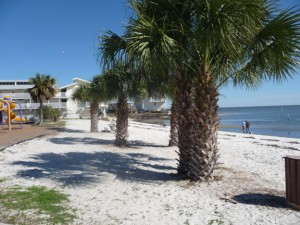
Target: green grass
{"x": 104, "y": 118}
{"x": 216, "y": 221}
{"x": 43, "y": 206}
{"x": 2, "y": 180}
{"x": 51, "y": 124}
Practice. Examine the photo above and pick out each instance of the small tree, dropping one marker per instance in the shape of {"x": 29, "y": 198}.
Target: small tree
{"x": 123, "y": 81}
{"x": 93, "y": 93}
{"x": 44, "y": 89}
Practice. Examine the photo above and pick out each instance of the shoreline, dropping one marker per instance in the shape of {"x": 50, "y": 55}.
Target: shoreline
{"x": 236, "y": 129}
{"x": 139, "y": 185}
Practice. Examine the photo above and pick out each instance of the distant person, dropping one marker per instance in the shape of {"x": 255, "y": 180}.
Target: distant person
{"x": 248, "y": 131}
{"x": 244, "y": 126}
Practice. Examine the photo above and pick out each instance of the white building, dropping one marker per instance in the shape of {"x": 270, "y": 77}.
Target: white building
{"x": 153, "y": 104}
{"x": 73, "y": 108}
{"x": 76, "y": 109}
{"x": 18, "y": 91}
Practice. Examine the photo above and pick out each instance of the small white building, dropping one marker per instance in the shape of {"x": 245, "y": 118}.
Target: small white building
{"x": 155, "y": 103}
{"x": 76, "y": 109}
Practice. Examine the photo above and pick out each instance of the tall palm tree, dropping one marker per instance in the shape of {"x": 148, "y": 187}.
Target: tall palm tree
{"x": 93, "y": 93}
{"x": 122, "y": 81}
{"x": 209, "y": 44}
{"x": 43, "y": 89}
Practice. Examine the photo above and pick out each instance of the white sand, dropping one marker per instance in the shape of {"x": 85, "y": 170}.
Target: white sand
{"x": 138, "y": 185}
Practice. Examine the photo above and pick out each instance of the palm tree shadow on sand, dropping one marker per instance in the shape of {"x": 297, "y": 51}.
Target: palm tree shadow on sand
{"x": 79, "y": 168}
{"x": 262, "y": 200}
{"x": 99, "y": 141}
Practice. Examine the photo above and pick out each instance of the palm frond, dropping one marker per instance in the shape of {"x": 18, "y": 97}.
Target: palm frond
{"x": 112, "y": 47}
{"x": 275, "y": 51}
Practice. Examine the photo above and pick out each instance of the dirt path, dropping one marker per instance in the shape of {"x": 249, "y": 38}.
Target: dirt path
{"x": 17, "y": 134}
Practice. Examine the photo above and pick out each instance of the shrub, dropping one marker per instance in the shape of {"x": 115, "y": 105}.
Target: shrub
{"x": 50, "y": 113}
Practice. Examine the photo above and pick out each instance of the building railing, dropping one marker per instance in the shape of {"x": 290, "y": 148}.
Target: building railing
{"x": 57, "y": 105}
{"x": 16, "y": 95}
{"x": 61, "y": 95}
{"x": 27, "y": 95}
{"x": 157, "y": 100}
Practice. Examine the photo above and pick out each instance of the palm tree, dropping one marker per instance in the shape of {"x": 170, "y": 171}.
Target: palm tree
{"x": 209, "y": 44}
{"x": 43, "y": 89}
{"x": 93, "y": 93}
{"x": 122, "y": 81}
{"x": 156, "y": 80}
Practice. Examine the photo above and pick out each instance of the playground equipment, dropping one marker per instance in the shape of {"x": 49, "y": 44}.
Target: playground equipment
{"x": 6, "y": 107}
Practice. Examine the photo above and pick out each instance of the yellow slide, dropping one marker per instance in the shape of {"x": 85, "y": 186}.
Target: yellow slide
{"x": 12, "y": 114}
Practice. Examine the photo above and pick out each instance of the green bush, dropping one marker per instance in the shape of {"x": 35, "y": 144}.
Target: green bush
{"x": 50, "y": 113}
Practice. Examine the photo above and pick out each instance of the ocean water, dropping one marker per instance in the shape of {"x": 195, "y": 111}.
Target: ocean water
{"x": 281, "y": 121}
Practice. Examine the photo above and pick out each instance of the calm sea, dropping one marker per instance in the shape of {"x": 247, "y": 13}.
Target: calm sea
{"x": 282, "y": 121}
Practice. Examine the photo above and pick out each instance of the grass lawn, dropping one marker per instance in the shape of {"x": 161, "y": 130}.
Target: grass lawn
{"x": 34, "y": 205}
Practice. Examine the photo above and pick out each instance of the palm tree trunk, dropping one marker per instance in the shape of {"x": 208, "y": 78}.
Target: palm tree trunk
{"x": 204, "y": 153}
{"x": 94, "y": 110}
{"x": 122, "y": 122}
{"x": 41, "y": 113}
{"x": 174, "y": 124}
{"x": 198, "y": 126}
{"x": 185, "y": 138}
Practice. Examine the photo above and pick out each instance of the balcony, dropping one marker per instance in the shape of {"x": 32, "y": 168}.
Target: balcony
{"x": 15, "y": 96}
{"x": 56, "y": 105}
{"x": 60, "y": 95}
{"x": 157, "y": 100}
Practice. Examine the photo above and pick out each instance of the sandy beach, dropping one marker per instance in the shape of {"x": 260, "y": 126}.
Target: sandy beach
{"x": 138, "y": 184}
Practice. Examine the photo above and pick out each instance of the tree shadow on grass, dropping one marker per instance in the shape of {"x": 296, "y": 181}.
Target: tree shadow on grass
{"x": 78, "y": 168}
{"x": 262, "y": 199}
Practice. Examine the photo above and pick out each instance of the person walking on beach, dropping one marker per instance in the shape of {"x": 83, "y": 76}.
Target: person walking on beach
{"x": 244, "y": 126}
{"x": 248, "y": 131}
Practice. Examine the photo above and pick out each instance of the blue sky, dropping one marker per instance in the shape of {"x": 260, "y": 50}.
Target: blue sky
{"x": 59, "y": 37}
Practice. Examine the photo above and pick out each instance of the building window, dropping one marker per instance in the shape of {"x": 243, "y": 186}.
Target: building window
{"x": 23, "y": 83}
{"x": 7, "y": 83}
